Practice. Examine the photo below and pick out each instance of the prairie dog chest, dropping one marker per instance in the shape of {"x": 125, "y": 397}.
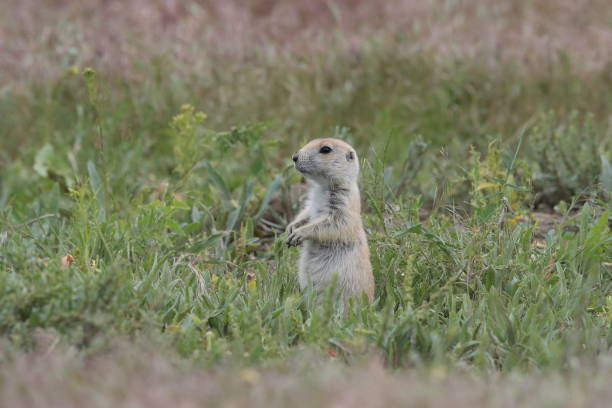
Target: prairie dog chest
{"x": 338, "y": 201}
{"x": 318, "y": 201}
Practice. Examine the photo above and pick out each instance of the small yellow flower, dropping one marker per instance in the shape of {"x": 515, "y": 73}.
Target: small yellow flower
{"x": 173, "y": 328}
{"x": 74, "y": 70}
{"x": 515, "y": 220}
{"x": 252, "y": 282}
{"x": 214, "y": 279}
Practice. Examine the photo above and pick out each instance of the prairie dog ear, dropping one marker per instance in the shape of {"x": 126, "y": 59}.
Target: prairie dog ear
{"x": 350, "y": 156}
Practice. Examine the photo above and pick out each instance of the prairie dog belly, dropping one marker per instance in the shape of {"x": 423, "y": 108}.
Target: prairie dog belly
{"x": 321, "y": 261}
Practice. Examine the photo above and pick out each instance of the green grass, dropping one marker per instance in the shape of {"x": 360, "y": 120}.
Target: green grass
{"x": 175, "y": 221}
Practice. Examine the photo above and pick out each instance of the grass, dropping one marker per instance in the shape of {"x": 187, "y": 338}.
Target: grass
{"x": 143, "y": 238}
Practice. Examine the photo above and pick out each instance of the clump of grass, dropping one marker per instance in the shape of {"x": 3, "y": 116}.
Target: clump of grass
{"x": 188, "y": 263}
{"x": 572, "y": 156}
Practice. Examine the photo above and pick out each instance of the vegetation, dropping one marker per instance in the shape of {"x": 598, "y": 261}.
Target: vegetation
{"x": 142, "y": 217}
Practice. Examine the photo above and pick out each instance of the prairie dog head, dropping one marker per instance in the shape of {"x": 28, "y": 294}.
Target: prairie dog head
{"x": 327, "y": 160}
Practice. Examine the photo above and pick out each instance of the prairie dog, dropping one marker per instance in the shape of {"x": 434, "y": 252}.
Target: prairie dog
{"x": 330, "y": 227}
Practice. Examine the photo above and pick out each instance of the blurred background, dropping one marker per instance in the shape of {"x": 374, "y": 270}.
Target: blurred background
{"x": 445, "y": 75}
{"x": 40, "y": 39}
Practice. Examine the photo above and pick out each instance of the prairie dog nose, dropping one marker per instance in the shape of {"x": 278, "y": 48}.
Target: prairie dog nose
{"x": 295, "y": 157}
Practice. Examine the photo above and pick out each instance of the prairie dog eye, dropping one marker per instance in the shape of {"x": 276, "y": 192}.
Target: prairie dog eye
{"x": 325, "y": 150}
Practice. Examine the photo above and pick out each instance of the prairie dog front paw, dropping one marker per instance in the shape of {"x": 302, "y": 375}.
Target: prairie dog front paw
{"x": 295, "y": 238}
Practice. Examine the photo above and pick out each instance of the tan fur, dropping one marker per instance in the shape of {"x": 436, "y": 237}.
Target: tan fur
{"x": 334, "y": 243}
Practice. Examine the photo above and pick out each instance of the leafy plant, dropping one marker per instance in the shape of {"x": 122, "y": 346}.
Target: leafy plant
{"x": 496, "y": 182}
{"x": 572, "y": 157}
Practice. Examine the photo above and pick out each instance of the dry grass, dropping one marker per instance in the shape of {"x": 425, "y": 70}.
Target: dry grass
{"x": 43, "y": 40}
{"x": 142, "y": 377}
